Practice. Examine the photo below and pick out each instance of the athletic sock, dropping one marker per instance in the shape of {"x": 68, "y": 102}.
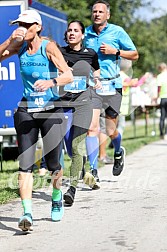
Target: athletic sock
{"x": 27, "y": 206}
{"x": 56, "y": 194}
{"x": 92, "y": 147}
{"x": 117, "y": 143}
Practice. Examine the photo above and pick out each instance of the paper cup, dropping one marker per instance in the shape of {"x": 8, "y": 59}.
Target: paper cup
{"x": 20, "y": 38}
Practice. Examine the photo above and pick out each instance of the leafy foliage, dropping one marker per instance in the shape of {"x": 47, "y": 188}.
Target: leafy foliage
{"x": 151, "y": 43}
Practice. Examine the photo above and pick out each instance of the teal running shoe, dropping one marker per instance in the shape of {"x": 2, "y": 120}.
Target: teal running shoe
{"x": 57, "y": 209}
{"x": 26, "y": 222}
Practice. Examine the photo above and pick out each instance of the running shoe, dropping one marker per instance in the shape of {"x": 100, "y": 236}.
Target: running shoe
{"x": 90, "y": 180}
{"x": 57, "y": 211}
{"x": 106, "y": 160}
{"x": 70, "y": 195}
{"x": 26, "y": 222}
{"x": 119, "y": 161}
{"x": 96, "y": 186}
{"x": 95, "y": 175}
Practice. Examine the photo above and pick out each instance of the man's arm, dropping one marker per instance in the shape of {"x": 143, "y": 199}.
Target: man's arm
{"x": 130, "y": 55}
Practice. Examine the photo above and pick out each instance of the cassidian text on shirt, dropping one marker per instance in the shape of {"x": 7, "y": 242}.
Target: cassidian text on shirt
{"x": 22, "y": 63}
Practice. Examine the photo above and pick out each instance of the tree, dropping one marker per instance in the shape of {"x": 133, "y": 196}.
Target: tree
{"x": 73, "y": 8}
{"x": 150, "y": 39}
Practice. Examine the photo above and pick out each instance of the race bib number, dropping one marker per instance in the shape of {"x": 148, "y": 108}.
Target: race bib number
{"x": 78, "y": 85}
{"x": 37, "y": 101}
{"x": 108, "y": 88}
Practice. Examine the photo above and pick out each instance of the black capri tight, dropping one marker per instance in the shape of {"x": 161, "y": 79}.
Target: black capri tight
{"x": 52, "y": 125}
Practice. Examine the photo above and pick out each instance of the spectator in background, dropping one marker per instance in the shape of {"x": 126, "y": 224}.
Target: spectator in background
{"x": 162, "y": 94}
{"x": 149, "y": 87}
{"x": 146, "y": 84}
{"x": 127, "y": 82}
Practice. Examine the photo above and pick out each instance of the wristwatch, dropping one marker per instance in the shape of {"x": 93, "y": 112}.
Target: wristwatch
{"x": 55, "y": 82}
{"x": 118, "y": 52}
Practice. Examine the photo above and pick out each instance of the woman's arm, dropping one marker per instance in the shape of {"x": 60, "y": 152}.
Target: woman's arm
{"x": 66, "y": 76}
{"x": 10, "y": 46}
{"x": 6, "y": 50}
{"x": 55, "y": 55}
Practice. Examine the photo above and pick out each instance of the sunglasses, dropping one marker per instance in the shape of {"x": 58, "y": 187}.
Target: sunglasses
{"x": 26, "y": 25}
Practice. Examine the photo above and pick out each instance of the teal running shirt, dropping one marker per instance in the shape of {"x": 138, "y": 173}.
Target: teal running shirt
{"x": 116, "y": 37}
{"x": 36, "y": 67}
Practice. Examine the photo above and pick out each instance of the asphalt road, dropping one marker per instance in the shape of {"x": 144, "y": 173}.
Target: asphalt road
{"x": 128, "y": 213}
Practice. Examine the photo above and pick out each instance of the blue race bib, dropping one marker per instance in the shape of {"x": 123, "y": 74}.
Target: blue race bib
{"x": 108, "y": 88}
{"x": 78, "y": 85}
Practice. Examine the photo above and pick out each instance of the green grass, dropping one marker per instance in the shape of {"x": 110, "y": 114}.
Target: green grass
{"x": 132, "y": 143}
{"x": 8, "y": 181}
{"x": 9, "y": 175}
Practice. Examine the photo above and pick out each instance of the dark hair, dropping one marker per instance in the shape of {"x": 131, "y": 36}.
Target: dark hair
{"x": 103, "y": 2}
{"x": 74, "y": 21}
